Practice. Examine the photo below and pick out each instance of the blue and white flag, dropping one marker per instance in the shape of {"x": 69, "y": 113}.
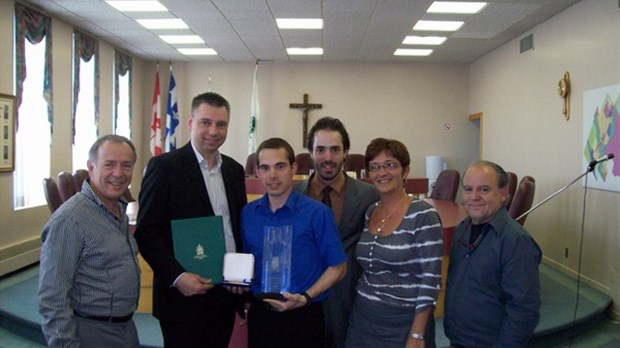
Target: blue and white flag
{"x": 172, "y": 116}
{"x": 254, "y": 111}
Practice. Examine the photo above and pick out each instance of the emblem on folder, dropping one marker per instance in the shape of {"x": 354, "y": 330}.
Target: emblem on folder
{"x": 200, "y": 252}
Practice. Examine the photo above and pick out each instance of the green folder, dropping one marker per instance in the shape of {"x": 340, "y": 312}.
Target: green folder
{"x": 199, "y": 246}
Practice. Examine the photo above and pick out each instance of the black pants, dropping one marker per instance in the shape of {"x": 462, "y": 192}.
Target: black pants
{"x": 300, "y": 328}
{"x": 212, "y": 330}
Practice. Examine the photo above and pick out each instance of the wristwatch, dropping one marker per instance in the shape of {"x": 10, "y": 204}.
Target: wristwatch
{"x": 308, "y": 297}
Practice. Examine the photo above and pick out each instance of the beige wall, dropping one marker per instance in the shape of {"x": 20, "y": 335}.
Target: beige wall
{"x": 525, "y": 131}
{"x": 409, "y": 102}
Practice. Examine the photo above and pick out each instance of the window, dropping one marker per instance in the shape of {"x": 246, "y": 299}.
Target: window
{"x": 33, "y": 138}
{"x": 85, "y": 126}
{"x": 122, "y": 94}
{"x": 33, "y": 88}
{"x": 123, "y": 123}
{"x": 85, "y": 97}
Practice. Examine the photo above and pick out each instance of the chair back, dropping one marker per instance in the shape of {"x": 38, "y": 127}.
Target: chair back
{"x": 79, "y": 176}
{"x": 529, "y": 178}
{"x": 304, "y": 163}
{"x": 512, "y": 188}
{"x": 128, "y": 196}
{"x": 524, "y": 197}
{"x": 446, "y": 186}
{"x": 52, "y": 196}
{"x": 66, "y": 185}
{"x": 250, "y": 165}
{"x": 355, "y": 162}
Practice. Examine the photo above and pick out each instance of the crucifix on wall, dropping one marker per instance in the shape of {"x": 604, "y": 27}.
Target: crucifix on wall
{"x": 306, "y": 107}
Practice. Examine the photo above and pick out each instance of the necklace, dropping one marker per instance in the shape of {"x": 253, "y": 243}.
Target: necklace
{"x": 389, "y": 214}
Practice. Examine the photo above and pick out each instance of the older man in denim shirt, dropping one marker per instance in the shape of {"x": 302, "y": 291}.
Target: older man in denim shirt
{"x": 493, "y": 289}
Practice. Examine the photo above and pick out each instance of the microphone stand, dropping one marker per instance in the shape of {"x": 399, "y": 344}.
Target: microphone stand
{"x": 553, "y": 195}
{"x": 590, "y": 169}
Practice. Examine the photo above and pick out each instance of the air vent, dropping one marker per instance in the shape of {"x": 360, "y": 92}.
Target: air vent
{"x": 19, "y": 255}
{"x": 527, "y": 43}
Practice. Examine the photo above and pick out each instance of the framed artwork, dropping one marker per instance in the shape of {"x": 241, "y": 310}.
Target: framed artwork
{"x": 7, "y": 132}
{"x": 601, "y": 136}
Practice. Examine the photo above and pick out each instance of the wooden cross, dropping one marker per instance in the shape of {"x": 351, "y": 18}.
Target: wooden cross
{"x": 305, "y": 108}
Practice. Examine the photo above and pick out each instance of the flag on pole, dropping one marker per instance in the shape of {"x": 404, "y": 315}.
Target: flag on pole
{"x": 155, "y": 144}
{"x": 172, "y": 115}
{"x": 254, "y": 112}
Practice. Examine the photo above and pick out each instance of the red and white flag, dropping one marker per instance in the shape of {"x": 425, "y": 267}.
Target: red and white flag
{"x": 156, "y": 141}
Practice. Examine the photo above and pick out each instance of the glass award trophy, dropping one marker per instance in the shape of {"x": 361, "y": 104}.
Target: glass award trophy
{"x": 276, "y": 263}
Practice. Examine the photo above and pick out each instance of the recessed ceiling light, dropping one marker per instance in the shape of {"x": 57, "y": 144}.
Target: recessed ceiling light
{"x": 198, "y": 51}
{"x": 438, "y": 25}
{"x": 412, "y": 52}
{"x": 164, "y": 23}
{"x": 299, "y": 23}
{"x": 311, "y": 51}
{"x": 181, "y": 39}
{"x": 424, "y": 40}
{"x": 138, "y": 6}
{"x": 456, "y": 7}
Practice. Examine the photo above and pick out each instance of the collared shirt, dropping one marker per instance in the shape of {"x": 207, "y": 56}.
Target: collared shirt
{"x": 212, "y": 175}
{"x": 315, "y": 190}
{"x": 88, "y": 266}
{"x": 493, "y": 289}
{"x": 316, "y": 243}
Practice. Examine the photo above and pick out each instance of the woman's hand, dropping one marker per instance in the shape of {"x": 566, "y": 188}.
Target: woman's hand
{"x": 413, "y": 343}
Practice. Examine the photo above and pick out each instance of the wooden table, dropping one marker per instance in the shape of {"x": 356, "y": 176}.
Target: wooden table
{"x": 450, "y": 214}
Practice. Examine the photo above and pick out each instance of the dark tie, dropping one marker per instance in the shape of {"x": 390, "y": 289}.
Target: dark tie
{"x": 326, "y": 200}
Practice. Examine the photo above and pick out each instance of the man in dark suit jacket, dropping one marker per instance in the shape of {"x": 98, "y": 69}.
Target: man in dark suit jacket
{"x": 193, "y": 181}
{"x": 328, "y": 143}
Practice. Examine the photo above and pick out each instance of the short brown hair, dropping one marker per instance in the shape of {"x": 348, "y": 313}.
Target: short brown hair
{"x": 274, "y": 144}
{"x": 391, "y": 147}
{"x": 212, "y": 99}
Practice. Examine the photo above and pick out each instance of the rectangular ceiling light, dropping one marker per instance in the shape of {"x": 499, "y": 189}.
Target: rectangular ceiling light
{"x": 312, "y": 51}
{"x": 138, "y": 6}
{"x": 424, "y": 40}
{"x": 456, "y": 7}
{"x": 438, "y": 25}
{"x": 164, "y": 23}
{"x": 198, "y": 51}
{"x": 182, "y": 39}
{"x": 299, "y": 23}
{"x": 412, "y": 52}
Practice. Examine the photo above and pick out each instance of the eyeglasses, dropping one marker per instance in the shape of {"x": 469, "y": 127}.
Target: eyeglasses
{"x": 389, "y": 166}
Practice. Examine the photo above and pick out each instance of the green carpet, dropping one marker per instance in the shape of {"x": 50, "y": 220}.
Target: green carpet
{"x": 19, "y": 314}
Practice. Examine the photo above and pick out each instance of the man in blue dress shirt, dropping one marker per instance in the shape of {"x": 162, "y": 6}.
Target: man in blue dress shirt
{"x": 317, "y": 261}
